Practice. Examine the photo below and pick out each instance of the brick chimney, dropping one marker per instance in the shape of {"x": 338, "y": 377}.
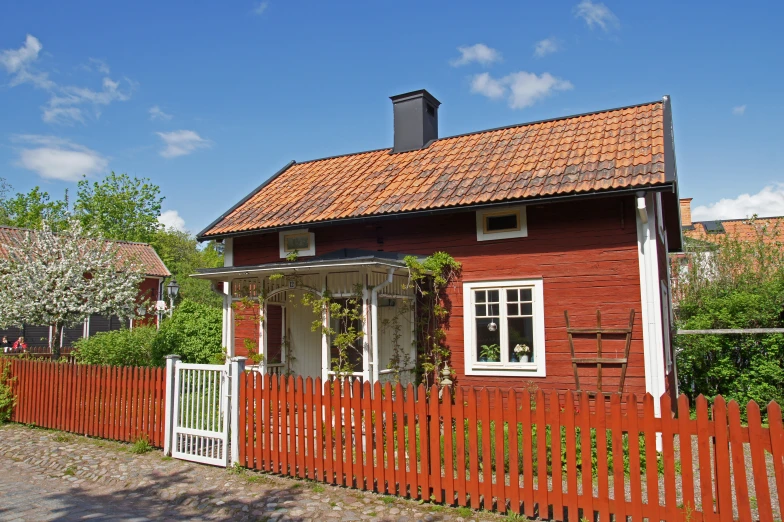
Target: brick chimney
{"x": 686, "y": 212}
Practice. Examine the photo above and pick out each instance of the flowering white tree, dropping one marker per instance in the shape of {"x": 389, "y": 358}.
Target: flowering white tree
{"x": 60, "y": 279}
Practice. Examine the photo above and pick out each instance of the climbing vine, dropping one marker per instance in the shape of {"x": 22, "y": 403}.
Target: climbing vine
{"x": 249, "y": 309}
{"x": 430, "y": 279}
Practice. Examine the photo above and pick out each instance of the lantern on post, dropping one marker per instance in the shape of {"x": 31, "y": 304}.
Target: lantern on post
{"x": 172, "y": 289}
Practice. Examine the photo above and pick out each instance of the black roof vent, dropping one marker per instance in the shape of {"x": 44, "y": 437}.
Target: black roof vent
{"x": 416, "y": 120}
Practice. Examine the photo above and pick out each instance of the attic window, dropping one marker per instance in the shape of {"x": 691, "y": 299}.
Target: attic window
{"x": 300, "y": 241}
{"x": 506, "y": 223}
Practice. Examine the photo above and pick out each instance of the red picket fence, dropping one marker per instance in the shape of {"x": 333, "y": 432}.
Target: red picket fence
{"x": 525, "y": 454}
{"x": 120, "y": 403}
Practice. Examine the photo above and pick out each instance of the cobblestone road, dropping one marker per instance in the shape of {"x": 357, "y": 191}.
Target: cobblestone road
{"x": 47, "y": 475}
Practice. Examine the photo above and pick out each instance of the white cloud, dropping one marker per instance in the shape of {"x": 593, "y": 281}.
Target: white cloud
{"x": 523, "y": 89}
{"x": 171, "y": 219}
{"x": 485, "y": 85}
{"x": 181, "y": 143}
{"x": 157, "y": 114}
{"x": 64, "y": 101}
{"x": 740, "y": 110}
{"x": 597, "y": 15}
{"x": 479, "y": 53}
{"x": 259, "y": 9}
{"x": 545, "y": 47}
{"x": 765, "y": 203}
{"x": 56, "y": 158}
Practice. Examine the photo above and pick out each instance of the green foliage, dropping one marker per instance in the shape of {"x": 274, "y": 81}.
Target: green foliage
{"x": 490, "y": 352}
{"x": 732, "y": 283}
{"x": 193, "y": 332}
{"x": 141, "y": 446}
{"x": 32, "y": 209}
{"x": 430, "y": 278}
{"x": 181, "y": 254}
{"x": 7, "y": 398}
{"x": 125, "y": 347}
{"x": 121, "y": 207}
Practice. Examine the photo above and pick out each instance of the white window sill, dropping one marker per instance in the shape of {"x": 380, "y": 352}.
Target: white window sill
{"x": 501, "y": 370}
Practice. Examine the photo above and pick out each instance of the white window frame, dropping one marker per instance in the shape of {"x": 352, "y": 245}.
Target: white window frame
{"x": 522, "y": 223}
{"x": 310, "y": 251}
{"x": 531, "y": 369}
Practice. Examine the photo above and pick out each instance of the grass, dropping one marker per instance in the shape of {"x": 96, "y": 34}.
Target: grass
{"x": 388, "y": 500}
{"x": 141, "y": 446}
{"x": 317, "y": 488}
{"x": 63, "y": 437}
{"x": 464, "y": 512}
{"x": 70, "y": 471}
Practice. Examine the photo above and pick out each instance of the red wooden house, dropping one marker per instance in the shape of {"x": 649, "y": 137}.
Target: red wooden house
{"x": 571, "y": 214}
{"x": 151, "y": 288}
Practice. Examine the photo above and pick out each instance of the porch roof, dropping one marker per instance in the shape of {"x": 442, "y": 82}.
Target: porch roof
{"x": 343, "y": 258}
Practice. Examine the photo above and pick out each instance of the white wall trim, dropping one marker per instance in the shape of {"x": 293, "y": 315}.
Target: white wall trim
{"x": 522, "y": 230}
{"x": 536, "y": 369}
{"x": 653, "y": 343}
{"x": 310, "y": 251}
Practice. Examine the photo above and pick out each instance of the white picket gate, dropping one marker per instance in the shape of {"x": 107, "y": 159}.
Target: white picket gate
{"x": 198, "y": 411}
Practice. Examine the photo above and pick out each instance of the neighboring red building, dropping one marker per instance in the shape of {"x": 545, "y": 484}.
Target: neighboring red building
{"x": 151, "y": 288}
{"x": 572, "y": 214}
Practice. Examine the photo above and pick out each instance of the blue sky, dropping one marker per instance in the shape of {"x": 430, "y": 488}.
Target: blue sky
{"x": 208, "y": 99}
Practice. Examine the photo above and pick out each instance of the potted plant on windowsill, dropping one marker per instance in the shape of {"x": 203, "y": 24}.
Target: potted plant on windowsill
{"x": 490, "y": 353}
{"x": 522, "y": 352}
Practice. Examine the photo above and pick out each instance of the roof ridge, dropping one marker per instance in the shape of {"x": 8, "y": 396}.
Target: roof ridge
{"x": 492, "y": 129}
{"x": 737, "y": 219}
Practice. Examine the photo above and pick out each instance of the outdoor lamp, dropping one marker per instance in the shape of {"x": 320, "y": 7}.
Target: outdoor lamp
{"x": 172, "y": 288}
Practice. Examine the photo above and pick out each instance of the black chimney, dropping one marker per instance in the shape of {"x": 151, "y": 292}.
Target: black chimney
{"x": 416, "y": 120}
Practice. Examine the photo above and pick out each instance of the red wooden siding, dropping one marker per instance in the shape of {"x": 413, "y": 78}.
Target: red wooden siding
{"x": 110, "y": 402}
{"x": 586, "y": 253}
{"x": 540, "y": 454}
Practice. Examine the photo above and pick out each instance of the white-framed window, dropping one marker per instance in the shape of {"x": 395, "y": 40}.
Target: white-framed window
{"x": 501, "y": 223}
{"x": 301, "y": 241}
{"x": 504, "y": 328}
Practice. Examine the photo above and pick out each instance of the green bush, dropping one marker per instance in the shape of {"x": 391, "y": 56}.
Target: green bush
{"x": 193, "y": 332}
{"x": 731, "y": 282}
{"x": 126, "y": 347}
{"x": 7, "y": 398}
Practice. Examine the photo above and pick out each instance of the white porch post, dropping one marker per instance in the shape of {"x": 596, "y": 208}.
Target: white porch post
{"x": 366, "y": 352}
{"x": 171, "y": 369}
{"x": 374, "y": 320}
{"x": 228, "y": 316}
{"x": 324, "y": 338}
{"x": 237, "y": 369}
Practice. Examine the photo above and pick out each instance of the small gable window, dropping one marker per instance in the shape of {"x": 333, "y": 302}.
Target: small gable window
{"x": 300, "y": 241}
{"x": 506, "y": 223}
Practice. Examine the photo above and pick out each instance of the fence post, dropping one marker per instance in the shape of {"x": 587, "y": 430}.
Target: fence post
{"x": 171, "y": 370}
{"x": 237, "y": 369}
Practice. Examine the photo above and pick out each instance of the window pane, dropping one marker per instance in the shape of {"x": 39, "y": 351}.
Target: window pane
{"x": 494, "y": 309}
{"x": 480, "y": 296}
{"x": 511, "y": 295}
{"x": 526, "y": 309}
{"x": 501, "y": 222}
{"x": 521, "y": 339}
{"x": 481, "y": 310}
{"x": 492, "y": 296}
{"x": 488, "y": 340}
{"x": 298, "y": 242}
{"x": 512, "y": 309}
{"x": 525, "y": 294}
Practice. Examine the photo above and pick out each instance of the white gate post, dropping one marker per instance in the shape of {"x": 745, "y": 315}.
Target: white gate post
{"x": 237, "y": 369}
{"x": 171, "y": 370}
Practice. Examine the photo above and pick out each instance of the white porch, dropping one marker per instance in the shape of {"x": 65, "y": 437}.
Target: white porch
{"x": 286, "y": 339}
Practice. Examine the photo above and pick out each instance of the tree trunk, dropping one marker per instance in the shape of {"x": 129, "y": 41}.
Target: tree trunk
{"x": 54, "y": 346}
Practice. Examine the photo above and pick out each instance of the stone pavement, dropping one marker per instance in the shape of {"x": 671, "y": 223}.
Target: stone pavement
{"x": 50, "y": 475}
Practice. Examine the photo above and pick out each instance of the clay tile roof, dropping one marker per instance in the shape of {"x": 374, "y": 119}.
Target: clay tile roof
{"x": 769, "y": 229}
{"x": 139, "y": 252}
{"x": 608, "y": 150}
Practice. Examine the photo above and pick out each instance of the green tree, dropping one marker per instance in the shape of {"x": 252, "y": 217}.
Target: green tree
{"x": 181, "y": 253}
{"x": 32, "y": 209}
{"x": 121, "y": 207}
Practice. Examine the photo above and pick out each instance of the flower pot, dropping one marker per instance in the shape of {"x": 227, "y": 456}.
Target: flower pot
{"x": 524, "y": 358}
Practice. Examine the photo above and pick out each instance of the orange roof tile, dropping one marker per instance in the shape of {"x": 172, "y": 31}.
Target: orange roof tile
{"x": 613, "y": 149}
{"x": 139, "y": 252}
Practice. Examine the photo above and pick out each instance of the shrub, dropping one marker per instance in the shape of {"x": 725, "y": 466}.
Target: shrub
{"x": 7, "y": 399}
{"x": 126, "y": 347}
{"x": 193, "y": 332}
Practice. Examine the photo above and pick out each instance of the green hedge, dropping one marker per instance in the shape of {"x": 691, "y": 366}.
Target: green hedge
{"x": 193, "y": 333}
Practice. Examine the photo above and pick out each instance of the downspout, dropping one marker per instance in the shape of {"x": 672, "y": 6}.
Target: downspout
{"x": 374, "y": 320}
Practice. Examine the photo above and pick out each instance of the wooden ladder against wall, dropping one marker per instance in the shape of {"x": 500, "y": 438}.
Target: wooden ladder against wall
{"x": 600, "y": 360}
